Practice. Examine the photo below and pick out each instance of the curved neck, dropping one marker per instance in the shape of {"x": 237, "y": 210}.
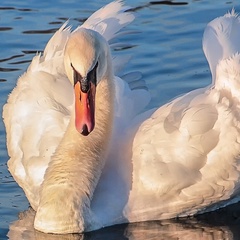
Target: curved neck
{"x": 78, "y": 153}
{"x": 76, "y": 166}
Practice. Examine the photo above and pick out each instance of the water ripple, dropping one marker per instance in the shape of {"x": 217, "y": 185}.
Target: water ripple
{"x": 31, "y": 51}
{"x": 5, "y": 29}
{"x": 21, "y": 62}
{"x": 8, "y": 69}
{"x": 10, "y": 58}
{"x": 53, "y": 30}
{"x": 18, "y": 9}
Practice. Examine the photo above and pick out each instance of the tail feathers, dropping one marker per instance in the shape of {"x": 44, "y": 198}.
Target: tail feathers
{"x": 221, "y": 40}
{"x": 57, "y": 43}
{"x": 110, "y": 19}
{"x": 228, "y": 75}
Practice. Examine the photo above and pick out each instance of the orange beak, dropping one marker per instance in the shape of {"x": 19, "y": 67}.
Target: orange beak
{"x": 84, "y": 108}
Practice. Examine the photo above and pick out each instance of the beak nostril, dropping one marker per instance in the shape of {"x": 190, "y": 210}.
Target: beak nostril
{"x": 85, "y": 131}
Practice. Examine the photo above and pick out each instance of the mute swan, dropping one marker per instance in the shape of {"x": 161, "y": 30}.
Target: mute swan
{"x": 87, "y": 158}
{"x": 45, "y": 120}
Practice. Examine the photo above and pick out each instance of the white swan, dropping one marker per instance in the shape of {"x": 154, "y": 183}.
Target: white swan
{"x": 40, "y": 119}
{"x": 182, "y": 160}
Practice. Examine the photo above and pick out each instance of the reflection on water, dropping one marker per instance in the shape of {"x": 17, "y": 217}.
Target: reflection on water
{"x": 186, "y": 229}
{"x": 168, "y": 53}
{"x": 171, "y": 231}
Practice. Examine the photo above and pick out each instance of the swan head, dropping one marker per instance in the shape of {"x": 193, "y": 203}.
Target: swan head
{"x": 85, "y": 61}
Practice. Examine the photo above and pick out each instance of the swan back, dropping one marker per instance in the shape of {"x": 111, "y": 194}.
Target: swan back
{"x": 221, "y": 40}
{"x": 186, "y": 155}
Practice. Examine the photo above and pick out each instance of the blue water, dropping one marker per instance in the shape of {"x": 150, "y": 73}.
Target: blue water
{"x": 168, "y": 52}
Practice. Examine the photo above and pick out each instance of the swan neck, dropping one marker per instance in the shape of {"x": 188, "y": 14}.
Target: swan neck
{"x": 75, "y": 168}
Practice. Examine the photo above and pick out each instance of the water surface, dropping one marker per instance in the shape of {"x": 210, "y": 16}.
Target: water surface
{"x": 168, "y": 52}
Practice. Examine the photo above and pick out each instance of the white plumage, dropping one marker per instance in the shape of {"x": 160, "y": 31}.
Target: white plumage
{"x": 178, "y": 160}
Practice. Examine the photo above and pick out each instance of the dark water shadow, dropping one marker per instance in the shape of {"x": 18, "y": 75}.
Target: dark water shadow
{"x": 18, "y": 9}
{"x": 149, "y": 4}
{"x": 46, "y": 31}
{"x": 5, "y": 29}
{"x": 8, "y": 69}
{"x": 222, "y": 224}
{"x": 10, "y": 58}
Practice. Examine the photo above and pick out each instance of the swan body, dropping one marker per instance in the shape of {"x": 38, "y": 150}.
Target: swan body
{"x": 186, "y": 155}
{"x": 87, "y": 156}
